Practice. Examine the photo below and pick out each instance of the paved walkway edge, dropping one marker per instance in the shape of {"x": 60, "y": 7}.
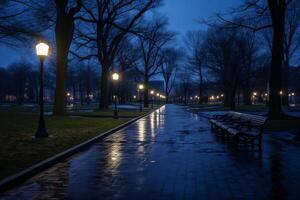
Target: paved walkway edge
{"x": 18, "y": 178}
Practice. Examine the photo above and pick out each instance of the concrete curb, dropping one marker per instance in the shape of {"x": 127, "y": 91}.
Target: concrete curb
{"x": 20, "y": 177}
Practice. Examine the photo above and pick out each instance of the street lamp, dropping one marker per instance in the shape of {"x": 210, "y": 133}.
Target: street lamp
{"x": 42, "y": 50}
{"x": 281, "y": 94}
{"x": 157, "y": 99}
{"x": 140, "y": 88}
{"x": 115, "y": 78}
{"x": 152, "y": 96}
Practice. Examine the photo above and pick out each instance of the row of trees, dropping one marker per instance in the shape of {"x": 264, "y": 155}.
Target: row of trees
{"x": 232, "y": 57}
{"x": 252, "y": 49}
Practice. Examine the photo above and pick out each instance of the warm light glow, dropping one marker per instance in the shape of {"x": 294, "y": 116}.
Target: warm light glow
{"x": 293, "y": 94}
{"x": 218, "y": 97}
{"x": 42, "y": 49}
{"x": 68, "y": 94}
{"x": 222, "y": 95}
{"x": 157, "y": 94}
{"x": 152, "y": 92}
{"x": 281, "y": 93}
{"x": 115, "y": 76}
{"x": 212, "y": 97}
{"x": 141, "y": 86}
{"x": 134, "y": 97}
{"x": 254, "y": 93}
{"x": 266, "y": 94}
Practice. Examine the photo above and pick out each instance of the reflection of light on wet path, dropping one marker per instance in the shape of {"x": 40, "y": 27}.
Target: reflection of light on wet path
{"x": 141, "y": 130}
{"x": 115, "y": 152}
{"x": 152, "y": 124}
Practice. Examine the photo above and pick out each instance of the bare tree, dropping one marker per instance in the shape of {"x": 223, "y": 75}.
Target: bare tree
{"x": 64, "y": 30}
{"x": 108, "y": 23}
{"x": 195, "y": 42}
{"x": 291, "y": 44}
{"x": 224, "y": 62}
{"x": 150, "y": 45}
{"x": 256, "y": 15}
{"x": 185, "y": 84}
{"x": 19, "y": 26}
{"x": 169, "y": 62}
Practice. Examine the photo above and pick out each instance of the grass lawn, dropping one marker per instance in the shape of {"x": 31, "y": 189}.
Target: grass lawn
{"x": 18, "y": 150}
{"x": 121, "y": 113}
{"x": 220, "y": 107}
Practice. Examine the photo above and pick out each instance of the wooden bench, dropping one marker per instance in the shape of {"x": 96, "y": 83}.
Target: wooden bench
{"x": 243, "y": 127}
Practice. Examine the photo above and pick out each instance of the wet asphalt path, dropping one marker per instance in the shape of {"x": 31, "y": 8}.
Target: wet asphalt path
{"x": 170, "y": 154}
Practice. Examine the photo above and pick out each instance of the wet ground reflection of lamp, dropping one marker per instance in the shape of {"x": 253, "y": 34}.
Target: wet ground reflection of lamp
{"x": 42, "y": 52}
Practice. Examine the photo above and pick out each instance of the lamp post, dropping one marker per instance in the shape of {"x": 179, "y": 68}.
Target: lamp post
{"x": 152, "y": 96}
{"x": 42, "y": 52}
{"x": 281, "y": 94}
{"x": 294, "y": 98}
{"x": 140, "y": 89}
{"x": 115, "y": 78}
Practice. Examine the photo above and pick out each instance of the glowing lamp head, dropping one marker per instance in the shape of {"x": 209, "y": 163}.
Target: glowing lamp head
{"x": 152, "y": 92}
{"x": 157, "y": 94}
{"x": 141, "y": 86}
{"x": 115, "y": 76}
{"x": 42, "y": 49}
{"x": 254, "y": 93}
{"x": 281, "y": 92}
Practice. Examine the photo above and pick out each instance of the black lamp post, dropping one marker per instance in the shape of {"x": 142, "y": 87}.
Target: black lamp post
{"x": 157, "y": 99}
{"x": 115, "y": 78}
{"x": 42, "y": 51}
{"x": 152, "y": 98}
{"x": 140, "y": 89}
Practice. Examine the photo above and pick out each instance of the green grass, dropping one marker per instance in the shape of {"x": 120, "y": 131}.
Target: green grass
{"x": 220, "y": 107}
{"x": 18, "y": 150}
{"x": 121, "y": 113}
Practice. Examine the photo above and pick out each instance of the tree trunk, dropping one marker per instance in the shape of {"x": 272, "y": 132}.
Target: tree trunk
{"x": 63, "y": 34}
{"x": 104, "y": 96}
{"x": 285, "y": 88}
{"x": 146, "y": 92}
{"x": 200, "y": 87}
{"x": 278, "y": 19}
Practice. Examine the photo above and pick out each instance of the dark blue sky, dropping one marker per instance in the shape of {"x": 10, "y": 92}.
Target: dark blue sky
{"x": 184, "y": 15}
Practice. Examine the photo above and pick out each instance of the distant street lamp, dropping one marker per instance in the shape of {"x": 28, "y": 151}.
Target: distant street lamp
{"x": 115, "y": 78}
{"x": 42, "y": 50}
{"x": 152, "y": 96}
{"x": 140, "y": 89}
{"x": 281, "y": 94}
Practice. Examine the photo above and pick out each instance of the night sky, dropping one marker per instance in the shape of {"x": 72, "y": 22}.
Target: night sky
{"x": 184, "y": 15}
